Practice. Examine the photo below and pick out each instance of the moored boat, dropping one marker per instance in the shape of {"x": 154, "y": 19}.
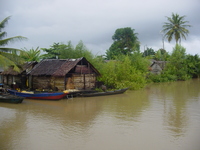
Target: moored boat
{"x": 104, "y": 93}
{"x": 40, "y": 96}
{"x": 8, "y": 98}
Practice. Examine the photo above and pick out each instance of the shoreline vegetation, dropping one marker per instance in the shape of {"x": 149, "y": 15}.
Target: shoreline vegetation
{"x": 134, "y": 70}
{"x": 123, "y": 64}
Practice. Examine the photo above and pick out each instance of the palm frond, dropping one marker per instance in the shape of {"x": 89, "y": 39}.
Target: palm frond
{"x": 9, "y": 56}
{"x": 13, "y": 57}
{"x": 11, "y": 39}
{"x": 4, "y": 22}
{"x": 6, "y": 62}
{"x": 2, "y": 35}
{"x": 31, "y": 55}
{"x": 10, "y": 50}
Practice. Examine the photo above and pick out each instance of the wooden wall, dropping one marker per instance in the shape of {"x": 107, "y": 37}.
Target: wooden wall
{"x": 76, "y": 81}
{"x": 58, "y": 83}
{"x": 43, "y": 82}
{"x": 9, "y": 79}
{"x": 40, "y": 82}
{"x": 84, "y": 81}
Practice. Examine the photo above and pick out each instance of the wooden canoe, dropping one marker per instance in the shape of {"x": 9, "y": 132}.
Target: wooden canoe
{"x": 104, "y": 93}
{"x": 8, "y": 98}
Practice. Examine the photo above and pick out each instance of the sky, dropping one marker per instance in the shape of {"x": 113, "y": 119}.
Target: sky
{"x": 45, "y": 22}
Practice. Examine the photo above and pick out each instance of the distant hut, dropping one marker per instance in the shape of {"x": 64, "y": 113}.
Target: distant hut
{"x": 62, "y": 74}
{"x": 156, "y": 67}
{"x": 10, "y": 76}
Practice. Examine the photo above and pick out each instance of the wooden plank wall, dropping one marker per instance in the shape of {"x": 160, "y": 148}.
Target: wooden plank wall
{"x": 84, "y": 81}
{"x": 41, "y": 82}
{"x": 48, "y": 83}
{"x": 77, "y": 81}
{"x": 70, "y": 83}
{"x": 58, "y": 83}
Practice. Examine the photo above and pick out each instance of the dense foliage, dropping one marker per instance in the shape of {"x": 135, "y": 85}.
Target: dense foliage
{"x": 63, "y": 51}
{"x": 148, "y": 52}
{"x": 124, "y": 72}
{"x": 179, "y": 66}
{"x": 161, "y": 55}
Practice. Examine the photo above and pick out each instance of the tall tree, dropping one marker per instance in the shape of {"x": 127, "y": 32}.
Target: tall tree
{"x": 8, "y": 56}
{"x": 149, "y": 52}
{"x": 125, "y": 42}
{"x": 82, "y": 51}
{"x": 67, "y": 51}
{"x": 53, "y": 52}
{"x": 175, "y": 27}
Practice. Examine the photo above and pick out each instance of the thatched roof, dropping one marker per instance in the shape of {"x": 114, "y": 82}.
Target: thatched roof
{"x": 60, "y": 67}
{"x": 25, "y": 67}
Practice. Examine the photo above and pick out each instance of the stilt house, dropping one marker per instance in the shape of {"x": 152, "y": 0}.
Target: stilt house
{"x": 62, "y": 74}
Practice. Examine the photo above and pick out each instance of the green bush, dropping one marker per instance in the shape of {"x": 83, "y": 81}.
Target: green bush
{"x": 121, "y": 73}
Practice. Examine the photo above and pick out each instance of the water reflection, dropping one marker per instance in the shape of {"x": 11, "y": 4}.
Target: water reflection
{"x": 73, "y": 112}
{"x": 33, "y": 118}
{"x": 11, "y": 124}
{"x": 175, "y": 97}
{"x": 157, "y": 114}
{"x": 129, "y": 106}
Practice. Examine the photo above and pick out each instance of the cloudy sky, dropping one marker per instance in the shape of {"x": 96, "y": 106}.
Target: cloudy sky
{"x": 94, "y": 22}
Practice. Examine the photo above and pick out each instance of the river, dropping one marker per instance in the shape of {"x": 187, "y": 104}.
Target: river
{"x": 164, "y": 116}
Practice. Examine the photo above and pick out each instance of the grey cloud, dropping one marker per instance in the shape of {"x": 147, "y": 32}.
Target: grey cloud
{"x": 94, "y": 22}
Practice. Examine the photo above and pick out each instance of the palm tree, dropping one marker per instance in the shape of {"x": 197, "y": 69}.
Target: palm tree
{"x": 8, "y": 56}
{"x": 31, "y": 55}
{"x": 176, "y": 27}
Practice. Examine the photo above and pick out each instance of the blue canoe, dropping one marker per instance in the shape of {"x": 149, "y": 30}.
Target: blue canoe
{"x": 42, "y": 96}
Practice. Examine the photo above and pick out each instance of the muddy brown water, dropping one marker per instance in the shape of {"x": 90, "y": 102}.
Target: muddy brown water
{"x": 162, "y": 116}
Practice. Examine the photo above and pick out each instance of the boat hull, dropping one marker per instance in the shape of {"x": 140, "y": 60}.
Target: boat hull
{"x": 40, "y": 96}
{"x": 7, "y": 98}
{"x": 104, "y": 93}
